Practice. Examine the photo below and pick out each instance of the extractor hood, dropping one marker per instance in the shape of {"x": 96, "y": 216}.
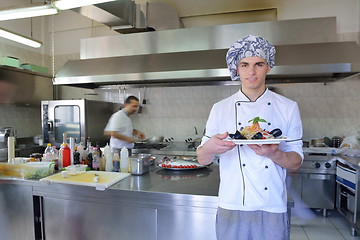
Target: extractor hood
{"x": 307, "y": 50}
{"x": 125, "y": 16}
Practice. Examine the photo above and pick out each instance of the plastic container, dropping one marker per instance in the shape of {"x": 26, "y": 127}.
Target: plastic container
{"x": 10, "y": 61}
{"x": 35, "y": 68}
{"x": 76, "y": 169}
{"x": 81, "y": 151}
{"x": 37, "y": 170}
{"x": 124, "y": 160}
{"x": 48, "y": 155}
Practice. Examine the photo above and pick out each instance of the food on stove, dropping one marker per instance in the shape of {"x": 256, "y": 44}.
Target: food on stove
{"x": 255, "y": 132}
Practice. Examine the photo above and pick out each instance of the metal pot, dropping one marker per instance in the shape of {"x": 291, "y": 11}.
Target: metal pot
{"x": 318, "y": 142}
{"x": 139, "y": 163}
{"x": 155, "y": 139}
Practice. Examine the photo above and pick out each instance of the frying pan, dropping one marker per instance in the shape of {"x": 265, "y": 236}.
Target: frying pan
{"x": 155, "y": 139}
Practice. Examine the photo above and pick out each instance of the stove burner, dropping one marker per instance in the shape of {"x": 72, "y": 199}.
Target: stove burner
{"x": 156, "y": 146}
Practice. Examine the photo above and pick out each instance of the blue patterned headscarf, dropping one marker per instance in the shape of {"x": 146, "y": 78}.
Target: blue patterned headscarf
{"x": 249, "y": 46}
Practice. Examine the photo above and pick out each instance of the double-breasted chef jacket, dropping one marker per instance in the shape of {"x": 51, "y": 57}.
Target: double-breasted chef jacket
{"x": 121, "y": 123}
{"x": 250, "y": 182}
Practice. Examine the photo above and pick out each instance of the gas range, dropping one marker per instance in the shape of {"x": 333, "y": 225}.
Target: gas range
{"x": 156, "y": 146}
{"x": 318, "y": 160}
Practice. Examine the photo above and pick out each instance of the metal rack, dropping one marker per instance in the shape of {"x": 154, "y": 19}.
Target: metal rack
{"x": 347, "y": 195}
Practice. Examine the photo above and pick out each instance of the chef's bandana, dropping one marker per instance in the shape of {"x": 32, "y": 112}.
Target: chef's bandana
{"x": 249, "y": 46}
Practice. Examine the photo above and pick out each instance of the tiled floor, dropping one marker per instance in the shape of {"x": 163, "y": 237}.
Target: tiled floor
{"x": 310, "y": 225}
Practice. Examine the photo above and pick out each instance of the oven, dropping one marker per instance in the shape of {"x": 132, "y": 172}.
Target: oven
{"x": 79, "y": 119}
{"x": 314, "y": 184}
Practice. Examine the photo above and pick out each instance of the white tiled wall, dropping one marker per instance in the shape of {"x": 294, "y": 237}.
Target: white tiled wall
{"x": 331, "y": 109}
{"x": 25, "y": 120}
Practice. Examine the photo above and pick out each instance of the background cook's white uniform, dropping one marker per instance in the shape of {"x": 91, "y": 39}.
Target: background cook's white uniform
{"x": 121, "y": 123}
{"x": 248, "y": 181}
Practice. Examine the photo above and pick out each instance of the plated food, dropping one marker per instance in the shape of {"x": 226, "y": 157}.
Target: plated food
{"x": 255, "y": 131}
{"x": 254, "y": 134}
{"x": 179, "y": 164}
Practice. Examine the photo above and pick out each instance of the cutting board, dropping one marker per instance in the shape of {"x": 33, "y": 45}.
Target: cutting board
{"x": 106, "y": 179}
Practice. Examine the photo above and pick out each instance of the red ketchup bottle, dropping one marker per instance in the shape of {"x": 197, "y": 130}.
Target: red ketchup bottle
{"x": 66, "y": 156}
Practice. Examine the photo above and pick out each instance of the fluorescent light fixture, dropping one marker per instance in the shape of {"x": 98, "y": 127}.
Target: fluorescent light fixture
{"x": 20, "y": 39}
{"x": 27, "y": 12}
{"x": 68, "y": 4}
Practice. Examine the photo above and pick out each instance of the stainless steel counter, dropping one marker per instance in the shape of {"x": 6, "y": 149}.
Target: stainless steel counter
{"x": 156, "y": 205}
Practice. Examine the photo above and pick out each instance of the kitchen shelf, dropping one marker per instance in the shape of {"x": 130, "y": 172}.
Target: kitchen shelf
{"x": 349, "y": 216}
{"x": 20, "y": 70}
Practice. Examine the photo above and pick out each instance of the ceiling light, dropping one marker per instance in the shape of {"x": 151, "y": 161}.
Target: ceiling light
{"x": 20, "y": 39}
{"x": 68, "y": 4}
{"x": 27, "y": 12}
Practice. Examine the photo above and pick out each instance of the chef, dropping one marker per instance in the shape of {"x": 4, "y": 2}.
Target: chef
{"x": 252, "y": 193}
{"x": 120, "y": 127}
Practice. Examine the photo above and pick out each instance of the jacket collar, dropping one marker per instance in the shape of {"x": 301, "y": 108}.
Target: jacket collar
{"x": 240, "y": 96}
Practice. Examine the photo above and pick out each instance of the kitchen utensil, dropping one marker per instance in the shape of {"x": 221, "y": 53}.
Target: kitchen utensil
{"x": 318, "y": 142}
{"x": 144, "y": 99}
{"x": 155, "y": 139}
{"x": 36, "y": 139}
{"x": 328, "y": 142}
{"x": 139, "y": 163}
{"x": 336, "y": 141}
{"x": 140, "y": 107}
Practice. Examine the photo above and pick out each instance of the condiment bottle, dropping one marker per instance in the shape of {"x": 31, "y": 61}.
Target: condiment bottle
{"x": 66, "y": 160}
{"x": 76, "y": 157}
{"x": 108, "y": 159}
{"x": 116, "y": 161}
{"x": 124, "y": 162}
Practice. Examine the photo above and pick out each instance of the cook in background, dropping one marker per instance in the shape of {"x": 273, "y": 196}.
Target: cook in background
{"x": 120, "y": 127}
{"x": 252, "y": 194}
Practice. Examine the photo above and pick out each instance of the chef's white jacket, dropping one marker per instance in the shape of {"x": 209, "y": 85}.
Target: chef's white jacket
{"x": 248, "y": 181}
{"x": 121, "y": 123}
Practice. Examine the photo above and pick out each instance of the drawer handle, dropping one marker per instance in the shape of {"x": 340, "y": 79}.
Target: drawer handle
{"x": 319, "y": 176}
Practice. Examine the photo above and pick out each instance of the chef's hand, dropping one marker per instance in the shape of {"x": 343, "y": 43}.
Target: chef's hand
{"x": 139, "y": 134}
{"x": 216, "y": 145}
{"x": 213, "y": 146}
{"x": 265, "y": 150}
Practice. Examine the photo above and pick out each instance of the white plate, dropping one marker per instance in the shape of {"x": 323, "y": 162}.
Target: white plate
{"x": 182, "y": 169}
{"x": 179, "y": 162}
{"x": 257, "y": 141}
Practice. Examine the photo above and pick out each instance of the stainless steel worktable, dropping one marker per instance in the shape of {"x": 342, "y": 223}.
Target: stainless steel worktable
{"x": 161, "y": 204}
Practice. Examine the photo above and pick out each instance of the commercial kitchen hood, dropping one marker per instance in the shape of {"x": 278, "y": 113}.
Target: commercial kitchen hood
{"x": 125, "y": 16}
{"x": 307, "y": 50}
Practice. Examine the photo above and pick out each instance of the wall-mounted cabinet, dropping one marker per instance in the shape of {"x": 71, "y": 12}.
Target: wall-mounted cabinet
{"x": 29, "y": 87}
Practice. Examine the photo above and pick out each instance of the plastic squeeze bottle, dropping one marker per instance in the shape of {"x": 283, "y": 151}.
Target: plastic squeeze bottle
{"x": 108, "y": 159}
{"x": 66, "y": 160}
{"x": 124, "y": 163}
{"x": 47, "y": 156}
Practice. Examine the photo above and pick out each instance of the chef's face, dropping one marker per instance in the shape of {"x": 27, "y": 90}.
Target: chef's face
{"x": 252, "y": 72}
{"x": 132, "y": 107}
